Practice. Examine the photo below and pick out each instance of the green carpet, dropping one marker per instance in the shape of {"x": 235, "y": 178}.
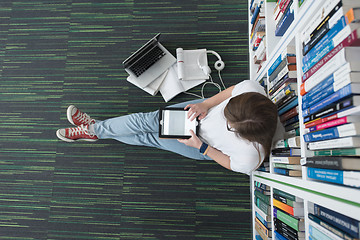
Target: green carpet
{"x": 56, "y": 53}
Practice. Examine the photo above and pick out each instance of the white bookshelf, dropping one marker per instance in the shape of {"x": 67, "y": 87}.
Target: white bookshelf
{"x": 342, "y": 199}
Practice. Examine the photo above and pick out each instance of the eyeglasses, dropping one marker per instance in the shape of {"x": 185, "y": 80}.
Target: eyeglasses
{"x": 229, "y": 128}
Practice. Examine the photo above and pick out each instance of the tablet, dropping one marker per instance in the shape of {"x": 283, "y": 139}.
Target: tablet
{"x": 174, "y": 123}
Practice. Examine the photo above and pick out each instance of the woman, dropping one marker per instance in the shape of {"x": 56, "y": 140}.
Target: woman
{"x": 236, "y": 128}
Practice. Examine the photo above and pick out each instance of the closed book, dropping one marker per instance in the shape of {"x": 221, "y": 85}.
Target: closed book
{"x": 288, "y": 172}
{"x": 293, "y": 125}
{"x": 285, "y": 61}
{"x": 333, "y": 98}
{"x": 327, "y": 23}
{"x": 287, "y": 166}
{"x": 348, "y": 178}
{"x": 319, "y": 232}
{"x": 263, "y": 228}
{"x": 275, "y": 87}
{"x": 288, "y": 201}
{"x": 346, "y": 130}
{"x": 293, "y": 142}
{"x": 261, "y": 233}
{"x": 287, "y": 90}
{"x": 289, "y": 51}
{"x": 287, "y": 231}
{"x": 351, "y": 40}
{"x": 287, "y": 160}
{"x": 341, "y": 221}
{"x": 338, "y": 152}
{"x": 294, "y": 211}
{"x": 278, "y": 236}
{"x": 266, "y": 217}
{"x": 346, "y": 142}
{"x": 285, "y": 100}
{"x": 267, "y": 224}
{"x": 293, "y": 222}
{"x": 263, "y": 197}
{"x": 338, "y": 232}
{"x": 286, "y": 152}
{"x": 346, "y": 104}
{"x": 335, "y": 122}
{"x": 284, "y": 74}
{"x": 287, "y": 195}
{"x": 332, "y": 162}
{"x": 353, "y": 15}
{"x": 289, "y": 114}
{"x": 285, "y": 23}
{"x": 264, "y": 207}
{"x": 261, "y": 185}
{"x": 289, "y": 106}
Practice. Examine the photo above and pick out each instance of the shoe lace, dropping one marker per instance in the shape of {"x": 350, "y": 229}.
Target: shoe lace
{"x": 83, "y": 117}
{"x": 82, "y": 129}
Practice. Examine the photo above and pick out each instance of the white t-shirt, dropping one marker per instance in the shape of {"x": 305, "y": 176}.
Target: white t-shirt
{"x": 213, "y": 130}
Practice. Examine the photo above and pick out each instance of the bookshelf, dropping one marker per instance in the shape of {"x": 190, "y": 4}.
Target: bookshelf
{"x": 340, "y": 198}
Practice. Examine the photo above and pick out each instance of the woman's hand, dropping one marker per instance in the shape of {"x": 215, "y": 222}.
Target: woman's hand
{"x": 199, "y": 110}
{"x": 194, "y": 141}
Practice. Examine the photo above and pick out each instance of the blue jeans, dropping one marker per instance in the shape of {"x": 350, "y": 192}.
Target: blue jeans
{"x": 142, "y": 129}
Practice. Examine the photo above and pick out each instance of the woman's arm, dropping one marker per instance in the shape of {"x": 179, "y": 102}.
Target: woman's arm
{"x": 200, "y": 109}
{"x": 218, "y": 156}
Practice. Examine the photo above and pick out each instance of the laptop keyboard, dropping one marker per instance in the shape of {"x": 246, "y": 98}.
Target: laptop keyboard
{"x": 149, "y": 59}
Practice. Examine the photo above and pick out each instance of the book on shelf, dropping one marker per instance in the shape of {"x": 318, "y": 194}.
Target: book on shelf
{"x": 287, "y": 201}
{"x": 262, "y": 186}
{"x": 293, "y": 142}
{"x": 274, "y": 87}
{"x": 289, "y": 106}
{"x": 291, "y": 123}
{"x": 264, "y": 207}
{"x": 318, "y": 232}
{"x": 346, "y": 130}
{"x": 278, "y": 236}
{"x": 288, "y": 172}
{"x": 288, "y": 90}
{"x": 327, "y": 22}
{"x": 289, "y": 114}
{"x": 344, "y": 92}
{"x": 287, "y": 166}
{"x": 346, "y": 142}
{"x": 338, "y": 152}
{"x": 351, "y": 40}
{"x": 353, "y": 15}
{"x": 288, "y": 63}
{"x": 293, "y": 211}
{"x": 284, "y": 74}
{"x": 289, "y": 51}
{"x": 336, "y": 219}
{"x": 266, "y": 223}
{"x": 286, "y": 231}
{"x": 287, "y": 99}
{"x": 285, "y": 21}
{"x": 286, "y": 152}
{"x": 287, "y": 195}
{"x": 285, "y": 159}
{"x": 266, "y": 217}
{"x": 332, "y": 162}
{"x": 266, "y": 232}
{"x": 293, "y": 222}
{"x": 292, "y": 133}
{"x": 352, "y": 112}
{"x": 335, "y": 122}
{"x": 260, "y": 231}
{"x": 265, "y": 198}
{"x": 338, "y": 232}
{"x": 342, "y": 177}
{"x": 335, "y": 108}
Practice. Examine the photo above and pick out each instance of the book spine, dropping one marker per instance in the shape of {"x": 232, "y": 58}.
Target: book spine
{"x": 345, "y": 223}
{"x": 348, "y": 178}
{"x": 287, "y": 219}
{"x": 264, "y": 198}
{"x": 318, "y": 97}
{"x": 284, "y": 207}
{"x": 281, "y": 171}
{"x": 338, "y": 95}
{"x": 318, "y": 88}
{"x": 351, "y": 40}
{"x": 333, "y": 143}
{"x": 331, "y": 133}
{"x": 285, "y": 230}
{"x": 262, "y": 205}
{"x": 319, "y": 233}
{"x": 328, "y": 163}
{"x": 329, "y": 227}
{"x": 282, "y": 64}
{"x": 262, "y": 227}
{"x": 285, "y": 23}
{"x": 325, "y": 44}
{"x": 328, "y": 22}
{"x": 291, "y": 105}
{"x": 285, "y": 194}
{"x": 289, "y": 114}
{"x": 278, "y": 236}
{"x": 329, "y": 124}
{"x": 262, "y": 220}
{"x": 338, "y": 152}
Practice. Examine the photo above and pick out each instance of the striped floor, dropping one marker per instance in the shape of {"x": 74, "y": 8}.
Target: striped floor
{"x": 56, "y": 53}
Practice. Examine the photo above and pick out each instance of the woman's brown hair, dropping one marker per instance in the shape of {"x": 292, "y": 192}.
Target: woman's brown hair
{"x": 253, "y": 117}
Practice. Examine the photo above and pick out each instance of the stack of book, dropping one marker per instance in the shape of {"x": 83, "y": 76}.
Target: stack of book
{"x": 262, "y": 211}
{"x": 264, "y": 167}
{"x": 257, "y": 31}
{"x": 330, "y": 91}
{"x": 328, "y": 224}
{"x": 288, "y": 216}
{"x": 283, "y": 16}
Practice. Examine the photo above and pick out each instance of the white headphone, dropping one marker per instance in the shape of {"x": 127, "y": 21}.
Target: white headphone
{"x": 219, "y": 64}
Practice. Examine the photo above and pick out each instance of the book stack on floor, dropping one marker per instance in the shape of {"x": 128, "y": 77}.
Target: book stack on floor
{"x": 283, "y": 16}
{"x": 288, "y": 216}
{"x": 262, "y": 211}
{"x": 325, "y": 223}
{"x": 257, "y": 31}
{"x": 330, "y": 91}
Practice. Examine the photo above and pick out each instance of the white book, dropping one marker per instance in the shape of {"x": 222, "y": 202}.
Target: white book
{"x": 293, "y": 142}
{"x": 347, "y": 142}
{"x": 346, "y": 79}
{"x": 172, "y": 86}
{"x": 262, "y": 214}
{"x": 153, "y": 87}
{"x": 287, "y": 160}
{"x": 347, "y": 55}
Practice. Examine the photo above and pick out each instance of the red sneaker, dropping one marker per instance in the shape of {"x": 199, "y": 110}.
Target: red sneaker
{"x": 75, "y": 134}
{"x": 77, "y": 117}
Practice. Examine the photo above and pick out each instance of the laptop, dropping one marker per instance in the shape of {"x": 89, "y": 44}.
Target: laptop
{"x": 148, "y": 62}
